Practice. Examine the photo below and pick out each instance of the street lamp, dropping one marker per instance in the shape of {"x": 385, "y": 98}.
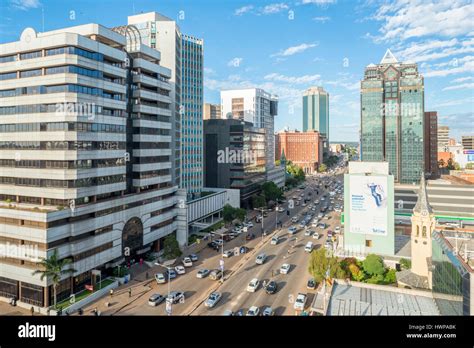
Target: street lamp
{"x": 221, "y": 264}
{"x": 262, "y": 209}
{"x": 169, "y": 287}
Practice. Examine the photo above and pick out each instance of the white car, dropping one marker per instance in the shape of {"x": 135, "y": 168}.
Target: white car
{"x": 292, "y": 230}
{"x": 285, "y": 268}
{"x": 213, "y": 299}
{"x": 308, "y": 233}
{"x": 300, "y": 302}
{"x": 275, "y": 240}
{"x": 253, "y": 311}
{"x": 316, "y": 235}
{"x": 180, "y": 270}
{"x": 337, "y": 229}
{"x": 261, "y": 259}
{"x": 203, "y": 273}
{"x": 160, "y": 278}
{"x": 253, "y": 285}
{"x": 294, "y": 219}
{"x": 267, "y": 312}
{"x": 228, "y": 253}
{"x": 187, "y": 262}
{"x": 308, "y": 247}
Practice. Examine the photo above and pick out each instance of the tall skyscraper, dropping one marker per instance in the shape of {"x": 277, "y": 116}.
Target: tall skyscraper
{"x": 431, "y": 143}
{"x": 443, "y": 138}
{"x": 467, "y": 142}
{"x": 183, "y": 54}
{"x": 212, "y": 111}
{"x": 316, "y": 111}
{"x": 392, "y": 113}
{"x": 85, "y": 150}
{"x": 260, "y": 108}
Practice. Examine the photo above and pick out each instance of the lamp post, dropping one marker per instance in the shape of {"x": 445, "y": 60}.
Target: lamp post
{"x": 262, "y": 209}
{"x": 169, "y": 287}
{"x": 221, "y": 264}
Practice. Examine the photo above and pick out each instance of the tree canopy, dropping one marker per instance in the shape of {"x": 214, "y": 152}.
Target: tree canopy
{"x": 320, "y": 262}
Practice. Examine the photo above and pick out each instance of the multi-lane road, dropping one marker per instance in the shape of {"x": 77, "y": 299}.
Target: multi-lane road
{"x": 241, "y": 269}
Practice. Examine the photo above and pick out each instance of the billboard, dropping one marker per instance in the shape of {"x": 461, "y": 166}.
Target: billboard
{"x": 368, "y": 204}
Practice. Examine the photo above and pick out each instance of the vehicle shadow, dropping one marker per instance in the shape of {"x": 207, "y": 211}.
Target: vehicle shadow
{"x": 188, "y": 294}
{"x": 279, "y": 310}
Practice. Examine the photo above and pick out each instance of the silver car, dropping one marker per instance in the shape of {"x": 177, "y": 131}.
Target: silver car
{"x": 213, "y": 299}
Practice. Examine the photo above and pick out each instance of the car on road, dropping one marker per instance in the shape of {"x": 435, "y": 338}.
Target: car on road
{"x": 228, "y": 253}
{"x": 243, "y": 249}
{"x": 248, "y": 224}
{"x": 292, "y": 230}
{"x": 316, "y": 235}
{"x": 187, "y": 262}
{"x": 268, "y": 311}
{"x": 271, "y": 287}
{"x": 320, "y": 215}
{"x": 253, "y": 285}
{"x": 249, "y": 236}
{"x": 261, "y": 259}
{"x": 155, "y": 299}
{"x": 219, "y": 242}
{"x": 308, "y": 247}
{"x": 285, "y": 268}
{"x": 215, "y": 274}
{"x": 203, "y": 273}
{"x": 280, "y": 209}
{"x": 228, "y": 313}
{"x": 275, "y": 240}
{"x": 180, "y": 270}
{"x": 170, "y": 274}
{"x": 294, "y": 219}
{"x": 213, "y": 299}
{"x": 308, "y": 233}
{"x": 329, "y": 234}
{"x": 193, "y": 257}
{"x": 311, "y": 284}
{"x": 237, "y": 230}
{"x": 300, "y": 302}
{"x": 253, "y": 311}
{"x": 322, "y": 225}
{"x": 160, "y": 278}
{"x": 337, "y": 229}
{"x": 213, "y": 245}
{"x": 327, "y": 217}
{"x": 175, "y": 296}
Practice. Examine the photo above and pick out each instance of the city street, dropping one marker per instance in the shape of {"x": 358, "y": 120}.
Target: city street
{"x": 239, "y": 269}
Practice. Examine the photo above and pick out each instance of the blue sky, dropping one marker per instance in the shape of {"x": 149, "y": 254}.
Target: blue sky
{"x": 288, "y": 46}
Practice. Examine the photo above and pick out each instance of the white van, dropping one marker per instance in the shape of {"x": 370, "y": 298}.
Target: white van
{"x": 309, "y": 247}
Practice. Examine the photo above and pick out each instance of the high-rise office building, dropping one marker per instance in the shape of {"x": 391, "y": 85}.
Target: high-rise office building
{"x": 183, "y": 54}
{"x": 392, "y": 113}
{"x": 431, "y": 143}
{"x": 467, "y": 142}
{"x": 443, "y": 138}
{"x": 84, "y": 154}
{"x": 212, "y": 111}
{"x": 260, "y": 108}
{"x": 316, "y": 111}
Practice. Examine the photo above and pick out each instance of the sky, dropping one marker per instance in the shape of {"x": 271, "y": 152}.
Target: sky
{"x": 286, "y": 47}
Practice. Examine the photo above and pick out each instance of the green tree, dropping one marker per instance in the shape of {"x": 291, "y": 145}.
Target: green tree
{"x": 390, "y": 277}
{"x": 451, "y": 164}
{"x": 271, "y": 191}
{"x": 258, "y": 201}
{"x": 171, "y": 248}
{"x": 322, "y": 168}
{"x": 373, "y": 265}
{"x": 406, "y": 264}
{"x": 240, "y": 214}
{"x": 228, "y": 213}
{"x": 319, "y": 263}
{"x": 54, "y": 268}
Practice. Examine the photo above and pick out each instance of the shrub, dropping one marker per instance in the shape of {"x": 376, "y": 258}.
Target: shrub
{"x": 406, "y": 264}
{"x": 373, "y": 265}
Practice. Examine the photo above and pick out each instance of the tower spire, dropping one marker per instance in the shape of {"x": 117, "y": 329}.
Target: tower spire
{"x": 422, "y": 203}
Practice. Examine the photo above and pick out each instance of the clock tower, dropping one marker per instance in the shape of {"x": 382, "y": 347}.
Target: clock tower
{"x": 422, "y": 225}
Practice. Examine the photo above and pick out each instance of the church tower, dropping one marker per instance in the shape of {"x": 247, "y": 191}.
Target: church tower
{"x": 422, "y": 225}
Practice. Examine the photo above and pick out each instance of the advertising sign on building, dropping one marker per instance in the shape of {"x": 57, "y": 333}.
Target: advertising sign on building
{"x": 368, "y": 204}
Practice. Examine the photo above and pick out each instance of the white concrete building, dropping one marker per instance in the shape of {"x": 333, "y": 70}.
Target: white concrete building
{"x": 85, "y": 156}
{"x": 260, "y": 108}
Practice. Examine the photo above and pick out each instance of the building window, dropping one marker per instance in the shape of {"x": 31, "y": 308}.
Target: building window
{"x": 368, "y": 243}
{"x": 424, "y": 232}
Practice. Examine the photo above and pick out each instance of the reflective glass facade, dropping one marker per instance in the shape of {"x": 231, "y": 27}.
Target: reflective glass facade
{"x": 316, "y": 111}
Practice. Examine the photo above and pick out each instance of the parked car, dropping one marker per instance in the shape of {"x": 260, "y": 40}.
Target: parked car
{"x": 308, "y": 247}
{"x": 311, "y": 284}
{"x": 170, "y": 274}
{"x": 213, "y": 299}
{"x": 228, "y": 313}
{"x": 300, "y": 302}
{"x": 268, "y": 311}
{"x": 215, "y": 274}
{"x": 253, "y": 285}
{"x": 261, "y": 259}
{"x": 294, "y": 219}
{"x": 308, "y": 233}
{"x": 193, "y": 257}
{"x": 187, "y": 262}
{"x": 292, "y": 230}
{"x": 160, "y": 278}
{"x": 249, "y": 236}
{"x": 285, "y": 268}
{"x": 180, "y": 270}
{"x": 337, "y": 229}
{"x": 253, "y": 311}
{"x": 155, "y": 299}
{"x": 316, "y": 235}
{"x": 275, "y": 240}
{"x": 176, "y": 296}
{"x": 203, "y": 273}
{"x": 271, "y": 287}
{"x": 228, "y": 253}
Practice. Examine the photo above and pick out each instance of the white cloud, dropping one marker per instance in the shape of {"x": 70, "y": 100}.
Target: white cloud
{"x": 275, "y": 8}
{"x": 467, "y": 67}
{"x": 460, "y": 86}
{"x": 293, "y": 79}
{"x": 235, "y": 62}
{"x": 321, "y": 19}
{"x": 293, "y": 50}
{"x": 25, "y": 4}
{"x": 209, "y": 71}
{"x": 463, "y": 79}
{"x": 244, "y": 9}
{"x": 319, "y": 2}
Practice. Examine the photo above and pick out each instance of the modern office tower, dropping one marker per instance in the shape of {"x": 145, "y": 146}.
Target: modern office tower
{"x": 235, "y": 156}
{"x": 467, "y": 142}
{"x": 85, "y": 152}
{"x": 258, "y": 107}
{"x": 392, "y": 113}
{"x": 443, "y": 138}
{"x": 212, "y": 111}
{"x": 431, "y": 143}
{"x": 305, "y": 149}
{"x": 183, "y": 54}
{"x": 316, "y": 111}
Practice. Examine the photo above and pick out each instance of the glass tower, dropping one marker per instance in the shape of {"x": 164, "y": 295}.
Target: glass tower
{"x": 316, "y": 111}
{"x": 392, "y": 115}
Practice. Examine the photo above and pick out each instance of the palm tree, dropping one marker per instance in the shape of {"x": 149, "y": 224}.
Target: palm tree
{"x": 53, "y": 268}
